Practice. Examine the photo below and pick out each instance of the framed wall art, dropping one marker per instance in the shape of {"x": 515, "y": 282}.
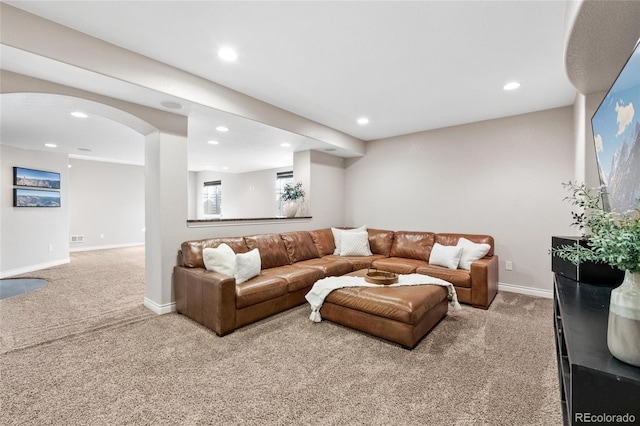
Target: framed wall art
{"x": 35, "y": 178}
{"x": 35, "y": 198}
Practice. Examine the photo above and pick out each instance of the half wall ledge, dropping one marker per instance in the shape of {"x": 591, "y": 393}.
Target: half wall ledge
{"x": 203, "y": 223}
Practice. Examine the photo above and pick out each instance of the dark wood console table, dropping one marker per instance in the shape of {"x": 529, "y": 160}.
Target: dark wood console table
{"x": 592, "y": 382}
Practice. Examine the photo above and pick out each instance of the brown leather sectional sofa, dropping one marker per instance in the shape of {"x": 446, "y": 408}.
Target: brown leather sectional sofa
{"x": 292, "y": 262}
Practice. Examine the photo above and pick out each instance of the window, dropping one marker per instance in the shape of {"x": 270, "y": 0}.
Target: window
{"x": 282, "y": 178}
{"x": 212, "y": 196}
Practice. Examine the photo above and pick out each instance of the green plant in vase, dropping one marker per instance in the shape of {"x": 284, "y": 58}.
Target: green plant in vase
{"x": 614, "y": 239}
{"x": 290, "y": 196}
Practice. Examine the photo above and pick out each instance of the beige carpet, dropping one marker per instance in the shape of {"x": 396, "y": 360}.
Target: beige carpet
{"x": 97, "y": 289}
{"x": 494, "y": 367}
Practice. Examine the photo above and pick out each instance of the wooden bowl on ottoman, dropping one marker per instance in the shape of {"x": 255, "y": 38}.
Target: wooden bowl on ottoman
{"x": 374, "y": 276}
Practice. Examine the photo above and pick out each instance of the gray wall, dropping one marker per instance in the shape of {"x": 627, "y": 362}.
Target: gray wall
{"x": 500, "y": 177}
{"x": 32, "y": 238}
{"x": 106, "y": 204}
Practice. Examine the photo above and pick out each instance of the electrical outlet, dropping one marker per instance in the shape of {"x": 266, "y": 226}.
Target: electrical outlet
{"x": 50, "y": 247}
{"x": 508, "y": 265}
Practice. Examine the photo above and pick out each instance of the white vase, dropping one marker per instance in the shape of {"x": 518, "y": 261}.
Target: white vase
{"x": 623, "y": 333}
{"x": 291, "y": 208}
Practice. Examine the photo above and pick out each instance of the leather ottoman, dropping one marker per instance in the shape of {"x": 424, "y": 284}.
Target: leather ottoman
{"x": 402, "y": 314}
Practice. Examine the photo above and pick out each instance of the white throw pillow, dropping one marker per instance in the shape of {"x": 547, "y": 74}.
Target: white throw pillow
{"x": 447, "y": 256}
{"x": 355, "y": 244}
{"x": 337, "y": 236}
{"x": 471, "y": 252}
{"x": 220, "y": 259}
{"x": 247, "y": 265}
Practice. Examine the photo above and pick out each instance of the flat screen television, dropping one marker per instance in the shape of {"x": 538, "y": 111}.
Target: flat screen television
{"x": 616, "y": 133}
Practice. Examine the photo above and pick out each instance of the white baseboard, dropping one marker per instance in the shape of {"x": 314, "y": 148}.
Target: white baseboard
{"x": 512, "y": 288}
{"x": 113, "y": 246}
{"x": 160, "y": 309}
{"x": 31, "y": 268}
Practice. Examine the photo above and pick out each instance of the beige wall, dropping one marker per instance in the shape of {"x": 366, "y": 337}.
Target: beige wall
{"x": 106, "y": 204}
{"x": 500, "y": 177}
{"x": 32, "y": 237}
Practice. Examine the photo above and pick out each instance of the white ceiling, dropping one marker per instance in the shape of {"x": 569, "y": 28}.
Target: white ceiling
{"x": 407, "y": 66}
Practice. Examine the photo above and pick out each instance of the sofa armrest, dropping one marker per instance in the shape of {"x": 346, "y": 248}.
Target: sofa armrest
{"x": 484, "y": 281}
{"x": 206, "y": 297}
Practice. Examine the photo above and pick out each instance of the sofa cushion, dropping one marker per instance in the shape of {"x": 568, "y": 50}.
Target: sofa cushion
{"x": 399, "y": 265}
{"x": 458, "y": 277}
{"x": 247, "y": 266}
{"x": 357, "y": 262}
{"x": 221, "y": 259}
{"x": 297, "y": 278}
{"x": 328, "y": 267}
{"x": 412, "y": 245}
{"x": 323, "y": 240}
{"x": 299, "y": 246}
{"x": 191, "y": 251}
{"x": 337, "y": 235}
{"x": 355, "y": 244}
{"x": 271, "y": 247}
{"x": 259, "y": 289}
{"x": 452, "y": 240}
{"x": 447, "y": 256}
{"x": 380, "y": 241}
{"x": 471, "y": 252}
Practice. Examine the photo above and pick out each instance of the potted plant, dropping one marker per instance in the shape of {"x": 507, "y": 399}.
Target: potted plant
{"x": 612, "y": 238}
{"x": 290, "y": 196}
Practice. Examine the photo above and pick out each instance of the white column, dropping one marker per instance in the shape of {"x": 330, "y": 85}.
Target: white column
{"x": 166, "y": 180}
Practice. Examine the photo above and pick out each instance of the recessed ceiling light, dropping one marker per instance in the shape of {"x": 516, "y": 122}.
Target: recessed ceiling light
{"x": 222, "y": 129}
{"x": 511, "y": 85}
{"x": 69, "y": 166}
{"x": 171, "y": 105}
{"x": 212, "y": 142}
{"x": 225, "y": 168}
{"x": 363, "y": 120}
{"x": 329, "y": 149}
{"x": 227, "y": 54}
{"x": 79, "y": 114}
{"x": 285, "y": 145}
{"x": 50, "y": 145}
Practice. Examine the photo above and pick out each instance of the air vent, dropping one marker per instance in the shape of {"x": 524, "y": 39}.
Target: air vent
{"x": 77, "y": 238}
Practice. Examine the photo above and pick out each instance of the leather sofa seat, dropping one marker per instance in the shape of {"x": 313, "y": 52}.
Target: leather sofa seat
{"x": 457, "y": 277}
{"x": 260, "y": 289}
{"x": 329, "y": 267}
{"x": 296, "y": 277}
